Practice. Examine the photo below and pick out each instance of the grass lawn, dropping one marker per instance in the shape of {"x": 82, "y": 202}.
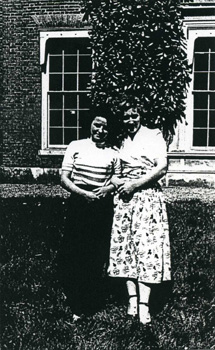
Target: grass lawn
{"x": 34, "y": 312}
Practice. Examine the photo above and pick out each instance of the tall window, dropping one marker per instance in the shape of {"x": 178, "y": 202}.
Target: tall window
{"x": 204, "y": 93}
{"x": 66, "y": 81}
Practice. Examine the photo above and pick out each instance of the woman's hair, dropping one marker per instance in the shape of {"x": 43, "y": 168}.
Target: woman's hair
{"x": 128, "y": 106}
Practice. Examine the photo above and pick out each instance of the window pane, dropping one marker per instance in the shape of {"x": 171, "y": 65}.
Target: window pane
{"x": 56, "y": 136}
{"x": 200, "y": 119}
{"x": 71, "y": 101}
{"x": 55, "y": 64}
{"x": 212, "y": 138}
{"x": 200, "y": 81}
{"x": 71, "y": 45}
{"x": 84, "y": 101}
{"x": 53, "y": 46}
{"x": 200, "y": 137}
{"x": 84, "y": 47}
{"x": 70, "y": 134}
{"x": 70, "y": 63}
{"x": 85, "y": 64}
{"x": 201, "y": 62}
{"x": 203, "y": 44}
{"x": 85, "y": 123}
{"x": 212, "y": 101}
{"x": 212, "y": 81}
{"x": 201, "y": 101}
{"x": 55, "y": 118}
{"x": 211, "y": 43}
{"x": 56, "y": 101}
{"x": 212, "y": 64}
{"x": 70, "y": 118}
{"x": 70, "y": 82}
{"x": 55, "y": 82}
{"x": 212, "y": 119}
{"x": 84, "y": 80}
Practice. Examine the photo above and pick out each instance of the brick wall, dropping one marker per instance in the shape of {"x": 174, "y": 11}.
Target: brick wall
{"x": 1, "y": 71}
{"x": 21, "y": 79}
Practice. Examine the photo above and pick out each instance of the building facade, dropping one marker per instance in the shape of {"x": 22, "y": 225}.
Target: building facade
{"x": 45, "y": 66}
{"x": 192, "y": 153}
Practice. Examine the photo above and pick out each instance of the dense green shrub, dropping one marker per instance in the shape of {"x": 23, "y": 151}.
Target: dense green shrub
{"x": 18, "y": 175}
{"x": 139, "y": 58}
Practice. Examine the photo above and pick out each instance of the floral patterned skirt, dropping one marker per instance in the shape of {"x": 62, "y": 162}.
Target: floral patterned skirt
{"x": 140, "y": 247}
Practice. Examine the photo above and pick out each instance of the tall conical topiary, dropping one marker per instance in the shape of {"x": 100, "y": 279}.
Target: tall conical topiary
{"x": 139, "y": 59}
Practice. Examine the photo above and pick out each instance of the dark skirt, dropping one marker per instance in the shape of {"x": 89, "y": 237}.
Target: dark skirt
{"x": 85, "y": 252}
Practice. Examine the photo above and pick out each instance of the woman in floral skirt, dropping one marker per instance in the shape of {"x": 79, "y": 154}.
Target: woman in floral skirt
{"x": 140, "y": 249}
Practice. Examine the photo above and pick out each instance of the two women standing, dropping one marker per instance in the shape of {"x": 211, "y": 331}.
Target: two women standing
{"x": 139, "y": 245}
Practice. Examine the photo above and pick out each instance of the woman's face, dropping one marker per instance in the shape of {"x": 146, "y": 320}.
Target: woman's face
{"x": 131, "y": 121}
{"x": 99, "y": 129}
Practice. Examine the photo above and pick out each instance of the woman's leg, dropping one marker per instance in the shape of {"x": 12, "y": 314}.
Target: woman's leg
{"x": 132, "y": 296}
{"x": 144, "y": 294}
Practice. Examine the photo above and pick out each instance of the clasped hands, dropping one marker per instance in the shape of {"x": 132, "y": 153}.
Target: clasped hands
{"x": 124, "y": 187}
{"x": 97, "y": 193}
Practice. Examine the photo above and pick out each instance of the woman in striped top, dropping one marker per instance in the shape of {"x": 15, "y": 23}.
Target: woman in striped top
{"x": 87, "y": 169}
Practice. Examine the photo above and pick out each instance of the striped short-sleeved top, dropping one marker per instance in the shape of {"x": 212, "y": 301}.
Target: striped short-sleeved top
{"x": 90, "y": 165}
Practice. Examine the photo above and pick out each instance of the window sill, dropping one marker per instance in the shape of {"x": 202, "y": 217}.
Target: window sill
{"x": 52, "y": 152}
{"x": 194, "y": 154}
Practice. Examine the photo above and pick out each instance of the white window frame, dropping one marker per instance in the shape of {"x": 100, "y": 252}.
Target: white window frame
{"x": 194, "y": 28}
{"x": 44, "y": 36}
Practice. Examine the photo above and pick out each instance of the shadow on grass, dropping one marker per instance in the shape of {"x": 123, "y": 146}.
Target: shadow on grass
{"x": 35, "y": 314}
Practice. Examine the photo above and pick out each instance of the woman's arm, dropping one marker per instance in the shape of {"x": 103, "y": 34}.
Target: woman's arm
{"x": 71, "y": 187}
{"x": 114, "y": 181}
{"x": 117, "y": 181}
{"x": 103, "y": 191}
{"x": 157, "y": 172}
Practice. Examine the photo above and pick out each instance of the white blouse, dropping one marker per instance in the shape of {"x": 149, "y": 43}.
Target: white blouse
{"x": 138, "y": 154}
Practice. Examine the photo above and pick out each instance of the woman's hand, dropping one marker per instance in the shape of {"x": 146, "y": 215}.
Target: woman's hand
{"x": 127, "y": 188}
{"x": 116, "y": 181}
{"x": 101, "y": 192}
{"x": 90, "y": 196}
